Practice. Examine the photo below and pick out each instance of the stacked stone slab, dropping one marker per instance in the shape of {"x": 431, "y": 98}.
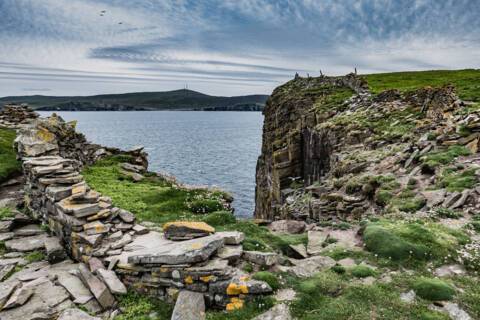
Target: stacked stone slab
{"x": 155, "y": 265}
{"x": 13, "y": 115}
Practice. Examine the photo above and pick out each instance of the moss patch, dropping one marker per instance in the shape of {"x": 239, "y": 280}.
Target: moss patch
{"x": 8, "y": 162}
{"x": 404, "y": 241}
{"x": 454, "y": 180}
{"x": 436, "y": 158}
{"x": 362, "y": 272}
{"x": 269, "y": 278}
{"x": 140, "y": 307}
{"x": 433, "y": 289}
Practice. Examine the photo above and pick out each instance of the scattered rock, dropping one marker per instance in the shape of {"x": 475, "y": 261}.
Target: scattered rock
{"x": 54, "y": 249}
{"x": 232, "y": 237}
{"x": 97, "y": 287}
{"x": 111, "y": 280}
{"x": 347, "y": 262}
{"x": 285, "y": 295}
{"x": 288, "y": 226}
{"x": 300, "y": 252}
{"x": 19, "y": 297}
{"x": 315, "y": 242}
{"x": 308, "y": 267}
{"x": 186, "y": 230}
{"x": 408, "y": 297}
{"x": 25, "y": 244}
{"x": 278, "y": 312}
{"x": 264, "y": 259}
{"x": 76, "y": 314}
{"x": 189, "y": 306}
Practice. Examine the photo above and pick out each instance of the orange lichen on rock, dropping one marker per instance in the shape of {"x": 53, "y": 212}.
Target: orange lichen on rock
{"x": 234, "y": 289}
{"x": 235, "y": 304}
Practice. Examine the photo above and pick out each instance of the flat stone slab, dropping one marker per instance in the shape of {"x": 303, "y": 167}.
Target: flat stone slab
{"x": 189, "y": 306}
{"x": 25, "y": 244}
{"x": 111, "y": 280}
{"x": 75, "y": 287}
{"x": 19, "y": 297}
{"x": 230, "y": 253}
{"x": 265, "y": 259}
{"x": 315, "y": 241}
{"x": 185, "y": 252}
{"x": 6, "y": 289}
{"x": 308, "y": 267}
{"x": 79, "y": 210}
{"x": 186, "y": 230}
{"x": 278, "y": 312}
{"x": 76, "y": 314}
{"x": 96, "y": 286}
{"x": 232, "y": 237}
{"x": 55, "y": 250}
{"x": 28, "y": 230}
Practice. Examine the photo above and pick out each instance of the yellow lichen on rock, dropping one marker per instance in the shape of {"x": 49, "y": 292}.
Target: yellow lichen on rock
{"x": 45, "y": 135}
{"x": 235, "y": 304}
{"x": 234, "y": 289}
{"x": 188, "y": 280}
{"x": 206, "y": 279}
{"x": 197, "y": 225}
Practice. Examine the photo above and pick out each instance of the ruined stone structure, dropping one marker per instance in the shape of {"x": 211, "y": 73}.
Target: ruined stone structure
{"x": 188, "y": 256}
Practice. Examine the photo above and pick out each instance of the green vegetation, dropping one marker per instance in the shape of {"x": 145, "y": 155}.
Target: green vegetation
{"x": 269, "y": 278}
{"x": 433, "y": 289}
{"x": 362, "y": 271}
{"x": 467, "y": 81}
{"x": 455, "y": 180}
{"x": 328, "y": 295}
{"x": 413, "y": 242}
{"x": 152, "y": 199}
{"x": 330, "y": 98}
{"x": 205, "y": 205}
{"x": 407, "y": 201}
{"x": 140, "y": 307}
{"x": 447, "y": 213}
{"x": 469, "y": 296}
{"x": 436, "y": 158}
{"x": 6, "y": 213}
{"x": 250, "y": 310}
{"x": 8, "y": 161}
{"x": 35, "y": 256}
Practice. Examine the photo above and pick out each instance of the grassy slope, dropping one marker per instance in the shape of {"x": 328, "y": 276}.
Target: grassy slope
{"x": 8, "y": 162}
{"x": 467, "y": 81}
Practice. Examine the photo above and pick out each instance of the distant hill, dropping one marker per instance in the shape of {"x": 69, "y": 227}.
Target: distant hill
{"x": 168, "y": 100}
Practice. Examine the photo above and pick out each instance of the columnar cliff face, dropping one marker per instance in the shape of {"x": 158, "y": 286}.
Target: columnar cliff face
{"x": 292, "y": 150}
{"x": 331, "y": 149}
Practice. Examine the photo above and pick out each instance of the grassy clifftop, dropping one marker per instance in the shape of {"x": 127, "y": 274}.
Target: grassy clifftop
{"x": 8, "y": 162}
{"x": 467, "y": 82}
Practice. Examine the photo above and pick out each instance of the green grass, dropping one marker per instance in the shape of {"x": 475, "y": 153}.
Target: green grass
{"x": 35, "y": 256}
{"x": 442, "y": 157}
{"x": 454, "y": 180}
{"x": 6, "y": 213}
{"x": 251, "y": 309}
{"x": 469, "y": 297}
{"x": 8, "y": 162}
{"x": 152, "y": 199}
{"x": 331, "y": 296}
{"x": 412, "y": 242}
{"x": 362, "y": 271}
{"x": 467, "y": 81}
{"x": 332, "y": 98}
{"x": 433, "y": 289}
{"x": 138, "y": 307}
{"x": 269, "y": 278}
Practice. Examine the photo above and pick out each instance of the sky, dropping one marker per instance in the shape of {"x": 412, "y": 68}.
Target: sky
{"x": 223, "y": 47}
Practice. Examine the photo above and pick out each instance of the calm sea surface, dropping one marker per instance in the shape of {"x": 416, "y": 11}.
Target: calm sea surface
{"x": 203, "y": 148}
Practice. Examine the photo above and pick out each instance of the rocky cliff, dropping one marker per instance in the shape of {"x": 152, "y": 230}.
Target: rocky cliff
{"x": 331, "y": 149}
